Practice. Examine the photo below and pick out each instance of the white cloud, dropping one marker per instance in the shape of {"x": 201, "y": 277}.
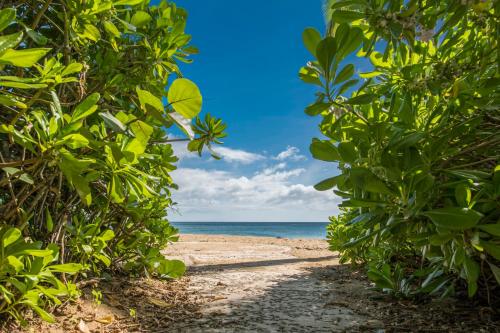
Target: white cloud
{"x": 269, "y": 195}
{"x": 291, "y": 153}
{"x": 236, "y": 155}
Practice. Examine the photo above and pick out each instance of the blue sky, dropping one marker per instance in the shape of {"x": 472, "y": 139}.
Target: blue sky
{"x": 250, "y": 53}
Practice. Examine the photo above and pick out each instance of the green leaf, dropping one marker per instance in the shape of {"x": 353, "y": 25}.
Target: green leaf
{"x": 7, "y": 16}
{"x": 454, "y": 218}
{"x": 111, "y": 29}
{"x": 127, "y": 2}
{"x": 328, "y": 184}
{"x": 86, "y": 108}
{"x": 22, "y": 58}
{"x": 325, "y": 53}
{"x": 344, "y": 74}
{"x": 91, "y": 32}
{"x": 172, "y": 268}
{"x": 21, "y": 175}
{"x": 48, "y": 220}
{"x": 350, "y": 43}
{"x": 66, "y": 268}
{"x": 491, "y": 248}
{"x": 10, "y": 236}
{"x": 15, "y": 263}
{"x": 317, "y": 108}
{"x": 72, "y": 68}
{"x": 185, "y": 97}
{"x": 347, "y": 151}
{"x": 346, "y": 16}
{"x": 75, "y": 141}
{"x": 10, "y": 41}
{"x": 361, "y": 99}
{"x": 37, "y": 37}
{"x": 346, "y": 3}
{"x": 369, "y": 75}
{"x": 311, "y": 38}
{"x": 324, "y": 151}
{"x": 463, "y": 195}
{"x": 492, "y": 229}
{"x": 42, "y": 313}
{"x": 22, "y": 85}
{"x": 347, "y": 85}
{"x": 472, "y": 269}
{"x": 112, "y": 122}
{"x": 140, "y": 18}
{"x": 147, "y": 98}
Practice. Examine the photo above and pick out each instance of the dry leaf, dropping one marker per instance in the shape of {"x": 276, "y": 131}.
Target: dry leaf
{"x": 82, "y": 327}
{"x": 106, "y": 319}
{"x": 160, "y": 303}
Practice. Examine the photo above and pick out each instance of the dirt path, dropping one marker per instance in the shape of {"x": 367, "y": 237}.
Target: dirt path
{"x": 254, "y": 284}
{"x": 263, "y": 285}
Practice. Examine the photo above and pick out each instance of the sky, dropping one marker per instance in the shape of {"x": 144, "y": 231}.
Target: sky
{"x": 250, "y": 54}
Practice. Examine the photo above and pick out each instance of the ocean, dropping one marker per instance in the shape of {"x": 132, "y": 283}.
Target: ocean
{"x": 262, "y": 229}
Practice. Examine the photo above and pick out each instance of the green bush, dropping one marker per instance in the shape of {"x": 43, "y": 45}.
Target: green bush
{"x": 416, "y": 138}
{"x": 88, "y": 92}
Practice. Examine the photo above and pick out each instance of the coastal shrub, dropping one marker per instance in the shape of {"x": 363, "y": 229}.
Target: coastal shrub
{"x": 89, "y": 91}
{"x": 408, "y": 93}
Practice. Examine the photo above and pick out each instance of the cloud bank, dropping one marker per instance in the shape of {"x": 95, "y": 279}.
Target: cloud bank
{"x": 269, "y": 195}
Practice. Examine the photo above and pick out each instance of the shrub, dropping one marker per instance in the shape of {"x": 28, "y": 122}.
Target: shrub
{"x": 88, "y": 91}
{"x": 413, "y": 125}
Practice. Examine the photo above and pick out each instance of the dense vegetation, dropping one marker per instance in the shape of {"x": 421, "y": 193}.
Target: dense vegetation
{"x": 85, "y": 156}
{"x": 414, "y": 125}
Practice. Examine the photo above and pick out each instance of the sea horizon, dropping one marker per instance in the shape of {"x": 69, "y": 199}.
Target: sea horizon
{"x": 291, "y": 230}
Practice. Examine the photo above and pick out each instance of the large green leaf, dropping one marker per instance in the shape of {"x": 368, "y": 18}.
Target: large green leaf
{"x": 7, "y": 16}
{"x": 491, "y": 248}
{"x": 172, "y": 268}
{"x": 325, "y": 53}
{"x": 10, "y": 236}
{"x": 70, "y": 268}
{"x": 22, "y": 58}
{"x": 86, "y": 108}
{"x": 185, "y": 97}
{"x": 454, "y": 218}
{"x": 329, "y": 183}
{"x": 10, "y": 41}
{"x": 324, "y": 151}
{"x": 311, "y": 38}
{"x": 347, "y": 151}
{"x": 344, "y": 74}
{"x": 493, "y": 229}
{"x": 112, "y": 122}
{"x": 361, "y": 99}
{"x": 140, "y": 18}
{"x": 346, "y": 16}
{"x": 147, "y": 98}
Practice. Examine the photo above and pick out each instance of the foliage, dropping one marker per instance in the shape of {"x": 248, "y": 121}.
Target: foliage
{"x": 416, "y": 138}
{"x": 88, "y": 90}
{"x": 27, "y": 277}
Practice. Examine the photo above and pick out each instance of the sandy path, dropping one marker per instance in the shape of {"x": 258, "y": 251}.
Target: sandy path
{"x": 253, "y": 284}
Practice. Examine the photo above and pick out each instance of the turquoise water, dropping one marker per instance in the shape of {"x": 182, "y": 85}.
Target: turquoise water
{"x": 263, "y": 229}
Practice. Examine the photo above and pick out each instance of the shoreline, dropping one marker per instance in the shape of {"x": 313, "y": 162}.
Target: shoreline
{"x": 251, "y": 236}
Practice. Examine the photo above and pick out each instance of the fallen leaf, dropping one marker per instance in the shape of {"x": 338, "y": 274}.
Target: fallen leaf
{"x": 82, "y": 327}
{"x": 106, "y": 319}
{"x": 160, "y": 303}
